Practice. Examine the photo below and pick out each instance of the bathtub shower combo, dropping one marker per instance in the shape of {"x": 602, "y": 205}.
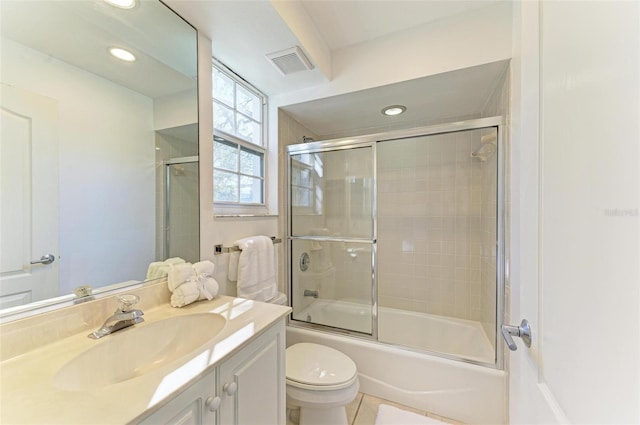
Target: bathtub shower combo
{"x": 395, "y": 257}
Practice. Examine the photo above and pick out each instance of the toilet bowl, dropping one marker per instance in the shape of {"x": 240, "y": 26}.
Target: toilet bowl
{"x": 321, "y": 381}
{"x": 280, "y": 299}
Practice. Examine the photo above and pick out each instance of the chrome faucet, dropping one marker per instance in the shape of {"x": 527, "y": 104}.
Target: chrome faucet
{"x": 308, "y": 293}
{"x": 122, "y": 318}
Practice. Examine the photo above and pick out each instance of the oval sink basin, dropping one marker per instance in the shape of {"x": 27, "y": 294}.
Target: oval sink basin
{"x": 133, "y": 352}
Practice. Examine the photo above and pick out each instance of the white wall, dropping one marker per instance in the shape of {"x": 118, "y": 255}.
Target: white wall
{"x": 107, "y": 180}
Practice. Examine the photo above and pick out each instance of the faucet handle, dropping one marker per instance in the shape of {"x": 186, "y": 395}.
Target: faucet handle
{"x": 127, "y": 301}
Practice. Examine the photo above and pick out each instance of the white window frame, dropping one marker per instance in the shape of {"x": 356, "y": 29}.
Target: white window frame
{"x": 227, "y": 208}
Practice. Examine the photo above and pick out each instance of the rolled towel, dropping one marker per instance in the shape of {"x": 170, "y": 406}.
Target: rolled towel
{"x": 179, "y": 274}
{"x": 232, "y": 274}
{"x": 208, "y": 288}
{"x": 204, "y": 268}
{"x": 185, "y": 294}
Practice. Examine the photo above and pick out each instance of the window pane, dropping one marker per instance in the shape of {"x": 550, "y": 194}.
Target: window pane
{"x": 225, "y": 186}
{"x": 251, "y": 162}
{"x": 223, "y": 118}
{"x": 249, "y": 130}
{"x": 250, "y": 190}
{"x": 225, "y": 155}
{"x": 248, "y": 103}
{"x": 222, "y": 88}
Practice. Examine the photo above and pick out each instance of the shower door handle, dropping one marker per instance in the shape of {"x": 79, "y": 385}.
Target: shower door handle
{"x": 523, "y": 331}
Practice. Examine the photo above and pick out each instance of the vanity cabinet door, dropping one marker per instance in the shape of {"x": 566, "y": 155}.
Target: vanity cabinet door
{"x": 252, "y": 382}
{"x": 190, "y": 407}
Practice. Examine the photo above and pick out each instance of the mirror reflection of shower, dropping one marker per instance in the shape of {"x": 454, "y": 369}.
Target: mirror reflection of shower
{"x": 180, "y": 230}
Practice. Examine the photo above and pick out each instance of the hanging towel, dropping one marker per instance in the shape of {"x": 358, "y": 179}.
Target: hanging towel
{"x": 232, "y": 274}
{"x": 256, "y": 269}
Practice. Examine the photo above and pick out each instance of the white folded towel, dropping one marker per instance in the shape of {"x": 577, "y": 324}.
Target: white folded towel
{"x": 185, "y": 294}
{"x": 204, "y": 268}
{"x": 191, "y": 282}
{"x": 256, "y": 269}
{"x": 232, "y": 274}
{"x": 159, "y": 269}
{"x": 179, "y": 274}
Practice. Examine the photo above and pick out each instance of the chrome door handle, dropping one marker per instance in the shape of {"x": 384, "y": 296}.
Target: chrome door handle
{"x": 45, "y": 259}
{"x": 523, "y": 331}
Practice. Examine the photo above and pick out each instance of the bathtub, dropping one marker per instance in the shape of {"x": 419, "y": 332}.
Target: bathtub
{"x": 466, "y": 392}
{"x": 451, "y": 336}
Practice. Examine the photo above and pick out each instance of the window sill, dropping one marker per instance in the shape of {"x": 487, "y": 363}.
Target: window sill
{"x": 245, "y": 215}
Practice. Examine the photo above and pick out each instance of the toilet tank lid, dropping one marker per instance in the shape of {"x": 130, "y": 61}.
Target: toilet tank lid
{"x": 316, "y": 364}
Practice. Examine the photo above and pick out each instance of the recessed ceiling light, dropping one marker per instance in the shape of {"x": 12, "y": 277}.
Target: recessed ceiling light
{"x": 122, "y": 54}
{"x": 394, "y": 110}
{"x": 122, "y": 4}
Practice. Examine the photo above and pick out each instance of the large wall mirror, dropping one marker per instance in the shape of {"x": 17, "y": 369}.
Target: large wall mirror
{"x": 99, "y": 153}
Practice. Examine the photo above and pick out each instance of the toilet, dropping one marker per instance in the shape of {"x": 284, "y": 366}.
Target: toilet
{"x": 321, "y": 381}
{"x": 280, "y": 299}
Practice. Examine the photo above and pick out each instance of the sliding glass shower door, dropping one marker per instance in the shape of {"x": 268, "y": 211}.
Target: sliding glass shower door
{"x": 332, "y": 235}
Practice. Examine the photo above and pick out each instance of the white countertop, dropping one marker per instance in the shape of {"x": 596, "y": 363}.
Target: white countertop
{"x": 28, "y": 393}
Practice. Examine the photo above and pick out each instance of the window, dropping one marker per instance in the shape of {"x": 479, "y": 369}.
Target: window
{"x": 306, "y": 189}
{"x": 239, "y": 133}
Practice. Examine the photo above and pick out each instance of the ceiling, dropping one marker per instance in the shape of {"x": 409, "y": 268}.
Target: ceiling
{"x": 345, "y": 23}
{"x": 244, "y": 31}
{"x": 450, "y": 96}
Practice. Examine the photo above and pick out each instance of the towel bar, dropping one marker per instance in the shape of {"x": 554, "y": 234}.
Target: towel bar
{"x": 219, "y": 249}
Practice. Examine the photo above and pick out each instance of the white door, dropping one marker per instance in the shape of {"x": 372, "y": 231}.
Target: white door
{"x": 575, "y": 266}
{"x": 29, "y": 196}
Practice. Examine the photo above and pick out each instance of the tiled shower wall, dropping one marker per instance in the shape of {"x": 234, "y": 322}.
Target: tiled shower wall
{"x": 430, "y": 203}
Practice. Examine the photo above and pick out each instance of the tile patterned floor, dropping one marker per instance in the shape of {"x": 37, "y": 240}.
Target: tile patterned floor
{"x": 363, "y": 411}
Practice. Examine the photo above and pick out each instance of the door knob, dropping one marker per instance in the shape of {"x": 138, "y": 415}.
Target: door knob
{"x": 45, "y": 259}
{"x": 523, "y": 331}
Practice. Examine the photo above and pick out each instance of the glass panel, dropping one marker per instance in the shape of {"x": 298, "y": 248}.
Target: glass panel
{"x": 183, "y": 231}
{"x": 225, "y": 186}
{"x": 225, "y": 155}
{"x": 223, "y": 118}
{"x": 223, "y": 88}
{"x": 339, "y": 193}
{"x": 251, "y": 162}
{"x": 337, "y": 283}
{"x": 251, "y": 190}
{"x": 437, "y": 215}
{"x": 249, "y": 104}
{"x": 249, "y": 130}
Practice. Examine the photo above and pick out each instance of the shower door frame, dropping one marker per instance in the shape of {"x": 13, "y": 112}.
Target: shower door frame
{"x": 331, "y": 146}
{"x": 166, "y": 243}
{"x": 497, "y": 122}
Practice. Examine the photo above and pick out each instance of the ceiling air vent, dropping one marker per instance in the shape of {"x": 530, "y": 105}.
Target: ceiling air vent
{"x": 290, "y": 60}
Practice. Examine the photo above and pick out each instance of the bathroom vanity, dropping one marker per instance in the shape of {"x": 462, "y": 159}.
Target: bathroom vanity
{"x": 212, "y": 362}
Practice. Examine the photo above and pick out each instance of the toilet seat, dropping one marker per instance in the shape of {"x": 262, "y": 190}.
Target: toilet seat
{"x": 318, "y": 367}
